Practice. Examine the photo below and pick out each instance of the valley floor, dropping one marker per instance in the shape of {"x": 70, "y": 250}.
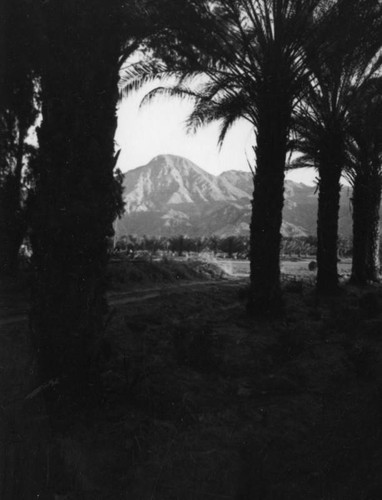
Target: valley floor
{"x": 203, "y": 403}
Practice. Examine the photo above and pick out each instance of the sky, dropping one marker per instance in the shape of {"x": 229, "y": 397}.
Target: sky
{"x": 159, "y": 128}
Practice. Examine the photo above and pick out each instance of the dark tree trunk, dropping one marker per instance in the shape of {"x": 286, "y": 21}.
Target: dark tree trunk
{"x": 330, "y": 169}
{"x": 268, "y": 199}
{"x": 12, "y": 214}
{"x": 366, "y": 205}
{"x": 12, "y": 229}
{"x": 76, "y": 198}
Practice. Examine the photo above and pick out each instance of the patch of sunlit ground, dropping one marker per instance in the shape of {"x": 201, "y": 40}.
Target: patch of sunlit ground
{"x": 299, "y": 268}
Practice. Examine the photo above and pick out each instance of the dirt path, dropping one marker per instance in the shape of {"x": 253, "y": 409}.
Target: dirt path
{"x": 138, "y": 295}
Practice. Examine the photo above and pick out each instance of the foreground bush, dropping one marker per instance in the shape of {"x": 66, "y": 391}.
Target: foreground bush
{"x": 125, "y": 272}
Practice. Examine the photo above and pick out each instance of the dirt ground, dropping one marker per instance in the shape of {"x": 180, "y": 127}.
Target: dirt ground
{"x": 203, "y": 403}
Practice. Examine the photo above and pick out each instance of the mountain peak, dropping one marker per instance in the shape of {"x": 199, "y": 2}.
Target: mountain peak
{"x": 174, "y": 161}
{"x": 172, "y": 195}
{"x": 168, "y": 157}
{"x": 169, "y": 180}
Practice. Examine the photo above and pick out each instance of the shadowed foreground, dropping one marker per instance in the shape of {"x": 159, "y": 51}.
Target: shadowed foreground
{"x": 202, "y": 403}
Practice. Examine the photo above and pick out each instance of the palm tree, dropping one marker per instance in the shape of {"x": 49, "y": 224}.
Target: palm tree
{"x": 365, "y": 174}
{"x": 259, "y": 74}
{"x": 81, "y": 47}
{"x": 349, "y": 58}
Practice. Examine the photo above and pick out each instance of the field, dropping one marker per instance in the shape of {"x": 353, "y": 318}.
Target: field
{"x": 201, "y": 402}
{"x": 297, "y": 268}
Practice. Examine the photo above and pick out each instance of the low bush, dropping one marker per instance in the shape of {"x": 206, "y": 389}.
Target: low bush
{"x": 125, "y": 272}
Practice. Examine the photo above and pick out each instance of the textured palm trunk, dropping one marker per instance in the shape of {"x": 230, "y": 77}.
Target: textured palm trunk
{"x": 12, "y": 216}
{"x": 268, "y": 199}
{"x": 330, "y": 170}
{"x": 12, "y": 229}
{"x": 366, "y": 234}
{"x": 76, "y": 199}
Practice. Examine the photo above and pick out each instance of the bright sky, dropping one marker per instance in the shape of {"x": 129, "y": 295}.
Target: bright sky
{"x": 159, "y": 128}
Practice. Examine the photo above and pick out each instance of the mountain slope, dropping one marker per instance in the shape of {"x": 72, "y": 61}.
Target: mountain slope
{"x": 171, "y": 195}
{"x": 240, "y": 179}
{"x": 172, "y": 180}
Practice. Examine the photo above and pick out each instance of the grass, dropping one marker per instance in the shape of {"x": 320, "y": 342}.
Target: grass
{"x": 124, "y": 273}
{"x": 202, "y": 403}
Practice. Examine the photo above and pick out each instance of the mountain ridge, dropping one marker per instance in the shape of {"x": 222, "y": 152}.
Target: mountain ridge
{"x": 171, "y": 195}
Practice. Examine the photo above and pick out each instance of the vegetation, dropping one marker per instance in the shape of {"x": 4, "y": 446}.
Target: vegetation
{"x": 365, "y": 174}
{"x": 321, "y": 66}
{"x": 18, "y": 112}
{"x": 236, "y": 247}
{"x": 259, "y": 74}
{"x": 123, "y": 273}
{"x": 75, "y": 198}
{"x": 144, "y": 401}
{"x": 232, "y": 246}
{"x": 323, "y": 118}
{"x": 198, "y": 399}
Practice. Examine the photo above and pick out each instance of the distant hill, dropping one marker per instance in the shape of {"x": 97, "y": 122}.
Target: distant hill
{"x": 171, "y": 195}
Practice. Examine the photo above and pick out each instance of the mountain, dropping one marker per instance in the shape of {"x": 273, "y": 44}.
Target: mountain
{"x": 171, "y": 180}
{"x": 240, "y": 179}
{"x": 171, "y": 196}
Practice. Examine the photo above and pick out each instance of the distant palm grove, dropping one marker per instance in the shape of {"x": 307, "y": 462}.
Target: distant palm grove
{"x": 236, "y": 247}
{"x": 305, "y": 73}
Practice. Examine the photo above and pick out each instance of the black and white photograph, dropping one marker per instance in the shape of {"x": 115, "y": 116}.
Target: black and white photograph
{"x": 190, "y": 257}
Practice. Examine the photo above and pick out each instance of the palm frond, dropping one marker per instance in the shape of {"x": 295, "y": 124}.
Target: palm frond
{"x": 226, "y": 108}
{"x": 303, "y": 161}
{"x": 176, "y": 91}
{"x": 226, "y": 125}
{"x": 134, "y": 76}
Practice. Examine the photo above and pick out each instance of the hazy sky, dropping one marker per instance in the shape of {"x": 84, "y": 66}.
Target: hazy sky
{"x": 158, "y": 128}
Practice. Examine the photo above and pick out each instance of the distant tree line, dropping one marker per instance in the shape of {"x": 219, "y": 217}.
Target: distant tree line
{"x": 227, "y": 246}
{"x": 179, "y": 245}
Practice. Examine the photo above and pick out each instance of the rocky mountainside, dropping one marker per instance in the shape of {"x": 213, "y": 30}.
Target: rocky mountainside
{"x": 171, "y": 196}
{"x": 172, "y": 181}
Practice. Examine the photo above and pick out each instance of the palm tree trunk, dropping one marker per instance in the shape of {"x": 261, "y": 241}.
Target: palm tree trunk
{"x": 76, "y": 199}
{"x": 268, "y": 199}
{"x": 366, "y": 205}
{"x": 373, "y": 255}
{"x": 327, "y": 224}
{"x": 12, "y": 217}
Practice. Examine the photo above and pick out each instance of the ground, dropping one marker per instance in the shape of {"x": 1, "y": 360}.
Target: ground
{"x": 203, "y": 403}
